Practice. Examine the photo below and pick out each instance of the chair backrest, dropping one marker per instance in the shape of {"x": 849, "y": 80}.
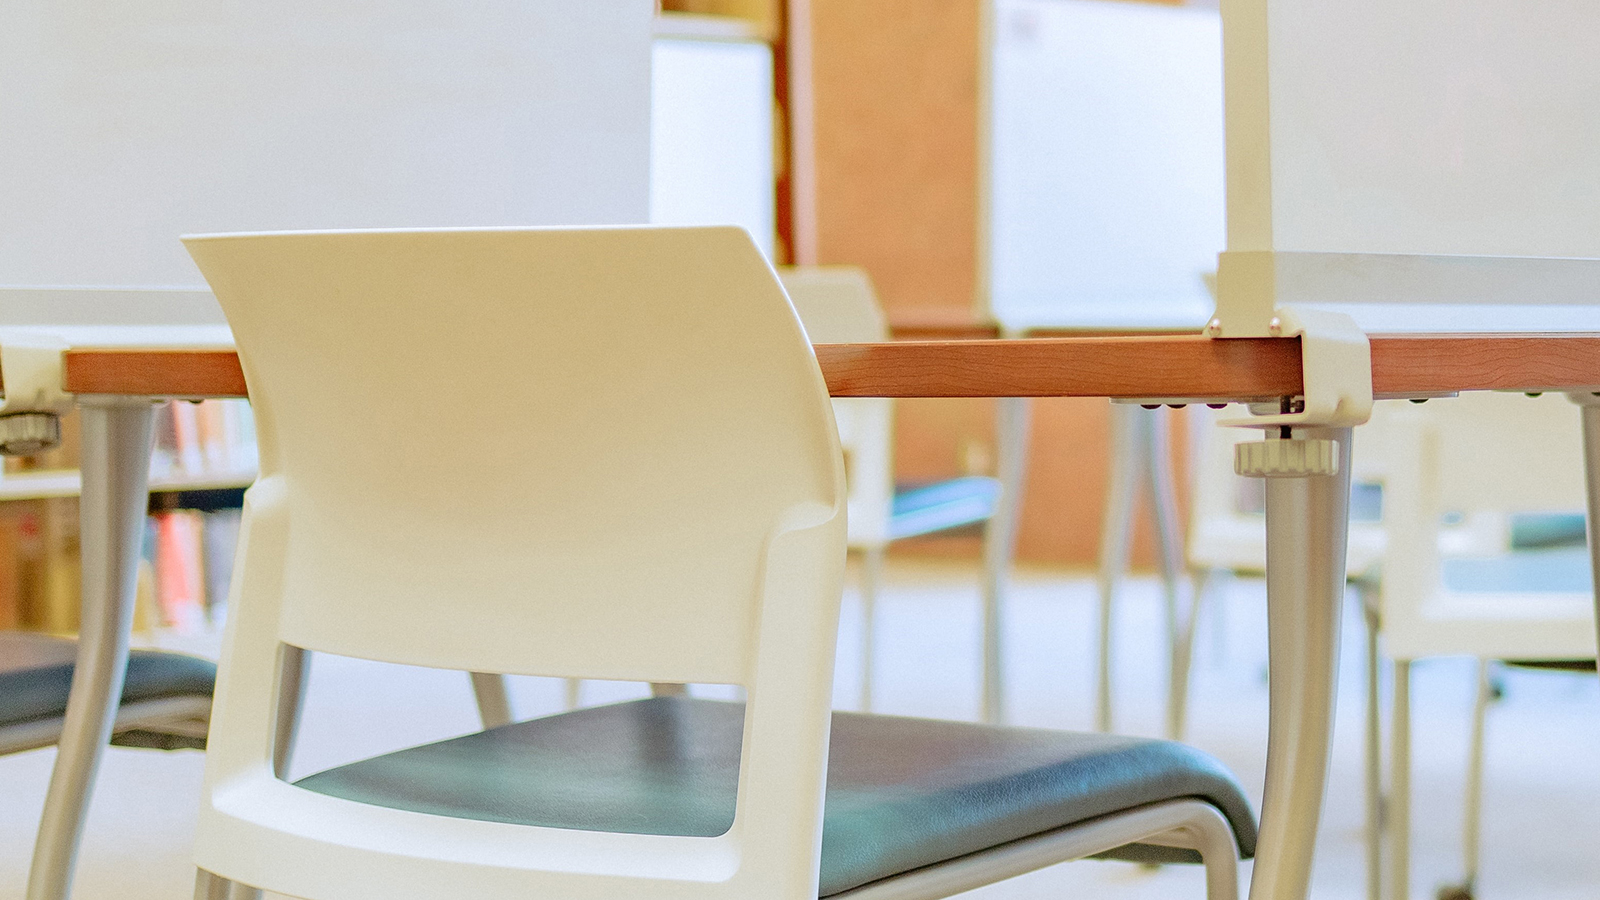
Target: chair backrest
{"x": 838, "y": 305}
{"x": 1462, "y": 469}
{"x": 603, "y": 453}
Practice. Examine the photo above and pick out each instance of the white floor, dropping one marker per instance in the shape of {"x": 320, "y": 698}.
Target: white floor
{"x": 1543, "y": 798}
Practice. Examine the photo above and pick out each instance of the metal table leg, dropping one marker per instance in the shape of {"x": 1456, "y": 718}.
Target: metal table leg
{"x": 1129, "y": 445}
{"x": 1307, "y": 525}
{"x": 1169, "y": 544}
{"x": 116, "y": 466}
{"x": 999, "y": 545}
{"x": 1141, "y": 453}
{"x": 1590, "y": 404}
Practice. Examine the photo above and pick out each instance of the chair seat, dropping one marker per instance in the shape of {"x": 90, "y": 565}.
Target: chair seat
{"x": 943, "y": 505}
{"x": 902, "y": 793}
{"x": 36, "y": 676}
{"x": 1561, "y": 570}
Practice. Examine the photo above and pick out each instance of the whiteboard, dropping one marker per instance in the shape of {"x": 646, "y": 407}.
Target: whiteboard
{"x": 1104, "y": 146}
{"x": 124, "y": 125}
{"x": 711, "y": 136}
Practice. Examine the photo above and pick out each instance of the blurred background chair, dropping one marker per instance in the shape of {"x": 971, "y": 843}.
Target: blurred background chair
{"x": 1483, "y": 510}
{"x": 838, "y": 305}
{"x": 166, "y": 697}
{"x": 165, "y": 705}
{"x": 660, "y": 500}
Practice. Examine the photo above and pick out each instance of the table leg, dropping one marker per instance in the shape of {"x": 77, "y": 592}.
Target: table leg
{"x": 999, "y": 545}
{"x": 1129, "y": 445}
{"x": 116, "y": 465}
{"x": 1590, "y": 406}
{"x": 1169, "y": 545}
{"x": 1307, "y": 525}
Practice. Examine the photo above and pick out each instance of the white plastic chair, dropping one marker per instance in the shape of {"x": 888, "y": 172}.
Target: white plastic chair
{"x": 658, "y": 497}
{"x": 837, "y": 304}
{"x": 1482, "y": 462}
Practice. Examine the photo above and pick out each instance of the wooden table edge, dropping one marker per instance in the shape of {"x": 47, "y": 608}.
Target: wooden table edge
{"x": 1128, "y": 366}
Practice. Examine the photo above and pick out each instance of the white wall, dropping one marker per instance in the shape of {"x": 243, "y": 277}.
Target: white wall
{"x": 124, "y": 125}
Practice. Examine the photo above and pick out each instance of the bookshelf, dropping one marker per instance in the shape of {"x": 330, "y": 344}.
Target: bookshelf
{"x": 204, "y": 456}
{"x": 64, "y": 483}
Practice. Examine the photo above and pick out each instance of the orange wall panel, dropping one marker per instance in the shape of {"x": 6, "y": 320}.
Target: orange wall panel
{"x": 895, "y": 93}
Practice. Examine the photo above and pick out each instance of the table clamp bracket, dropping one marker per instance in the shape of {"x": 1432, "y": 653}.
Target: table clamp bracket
{"x": 32, "y": 402}
{"x": 1336, "y": 369}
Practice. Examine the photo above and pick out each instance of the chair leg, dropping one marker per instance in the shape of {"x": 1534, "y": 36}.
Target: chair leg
{"x": 211, "y": 887}
{"x": 1181, "y": 665}
{"x": 294, "y": 674}
{"x": 574, "y": 688}
{"x": 1373, "y": 749}
{"x": 1216, "y": 580}
{"x": 871, "y": 578}
{"x": 1116, "y": 527}
{"x": 1472, "y": 824}
{"x": 1208, "y": 833}
{"x": 494, "y": 702}
{"x": 1399, "y": 819}
{"x": 1222, "y": 869}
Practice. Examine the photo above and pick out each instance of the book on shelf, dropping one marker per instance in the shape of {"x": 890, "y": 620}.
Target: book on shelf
{"x": 191, "y": 555}
{"x": 180, "y": 570}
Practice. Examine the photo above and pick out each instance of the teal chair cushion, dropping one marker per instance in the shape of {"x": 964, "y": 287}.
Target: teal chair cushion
{"x": 942, "y": 506}
{"x": 902, "y": 793}
{"x": 36, "y": 675}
